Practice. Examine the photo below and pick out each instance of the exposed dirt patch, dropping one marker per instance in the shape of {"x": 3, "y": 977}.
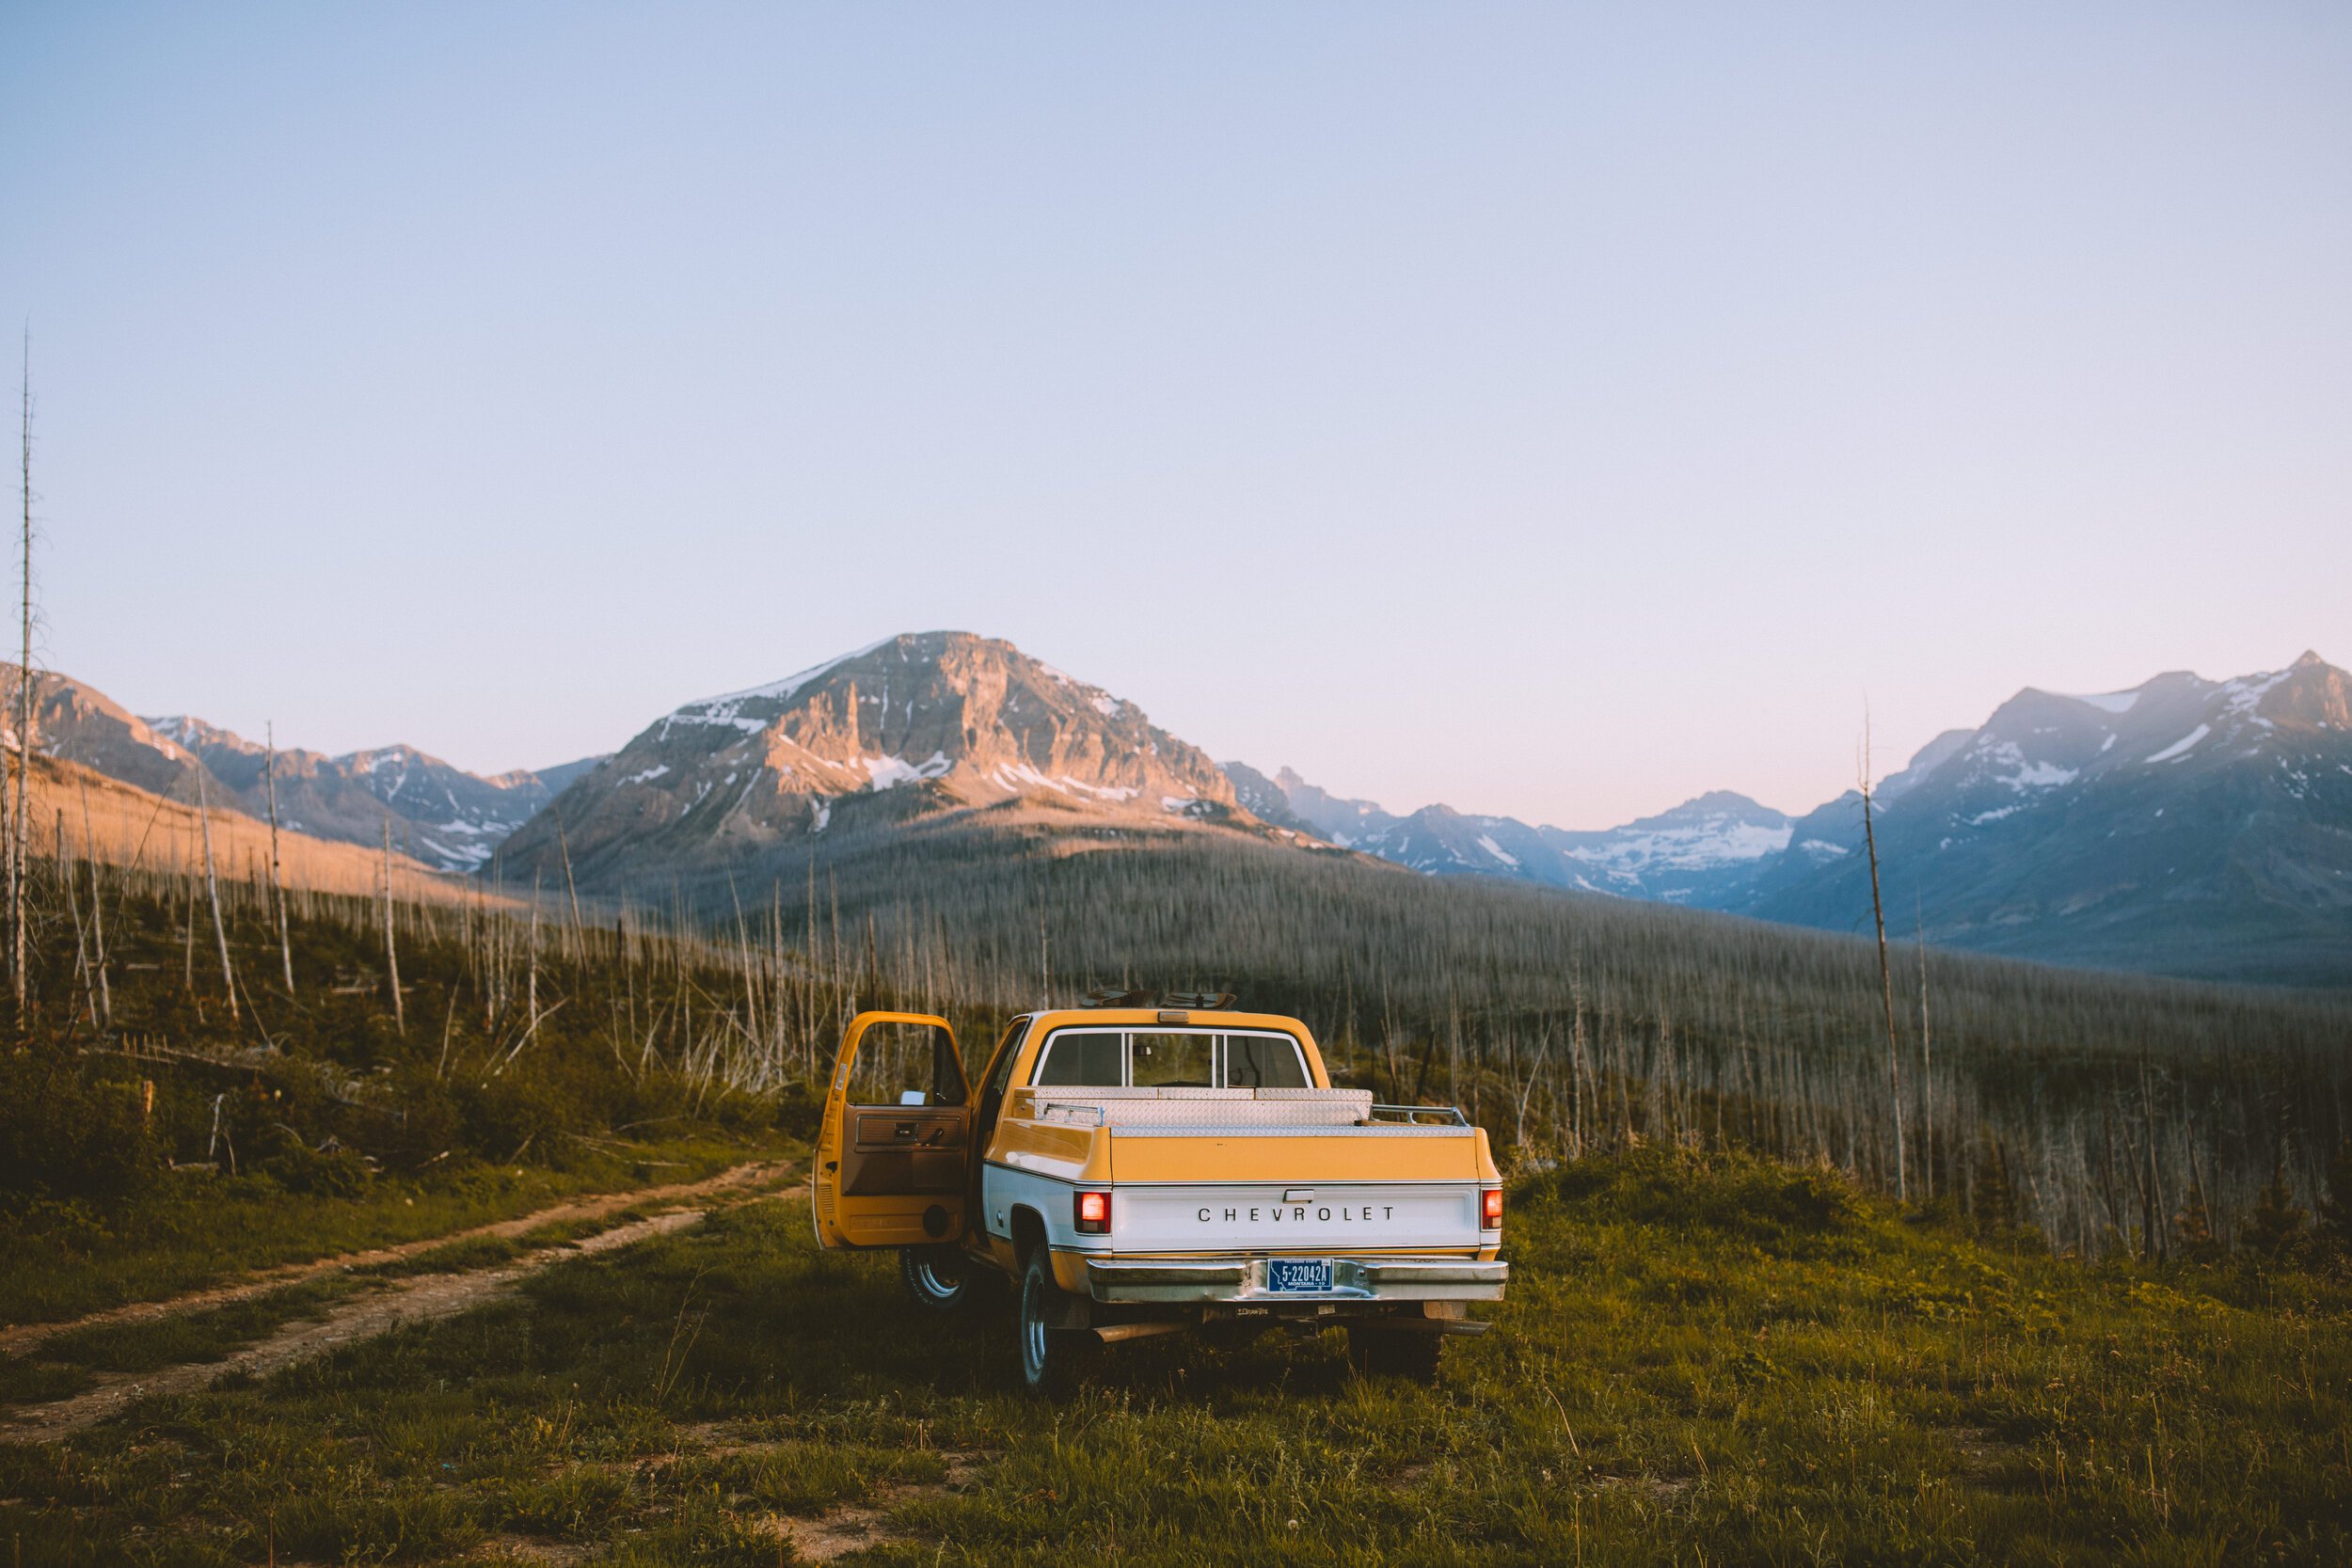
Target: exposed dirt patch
{"x": 853, "y": 1530}
{"x": 1985, "y": 1459}
{"x": 407, "y": 1301}
{"x": 19, "y": 1339}
{"x": 1661, "y": 1487}
{"x": 524, "y": 1549}
{"x": 1405, "y": 1477}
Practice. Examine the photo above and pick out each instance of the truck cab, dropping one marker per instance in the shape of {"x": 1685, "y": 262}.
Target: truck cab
{"x": 1140, "y": 1170}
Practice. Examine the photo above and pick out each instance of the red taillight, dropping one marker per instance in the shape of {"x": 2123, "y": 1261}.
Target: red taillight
{"x": 1490, "y": 1210}
{"x": 1094, "y": 1214}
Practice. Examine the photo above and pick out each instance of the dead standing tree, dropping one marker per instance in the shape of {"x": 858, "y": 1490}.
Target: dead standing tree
{"x": 392, "y": 953}
{"x": 1886, "y": 976}
{"x": 20, "y": 841}
{"x": 212, "y": 891}
{"x": 277, "y": 880}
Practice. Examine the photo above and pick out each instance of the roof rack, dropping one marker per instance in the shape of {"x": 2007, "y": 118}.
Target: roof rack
{"x": 1184, "y": 1001}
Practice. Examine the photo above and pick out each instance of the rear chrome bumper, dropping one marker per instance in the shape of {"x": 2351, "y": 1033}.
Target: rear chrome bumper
{"x": 1229, "y": 1279}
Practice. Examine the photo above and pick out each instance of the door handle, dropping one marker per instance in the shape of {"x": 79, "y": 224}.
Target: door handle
{"x": 833, "y": 1165}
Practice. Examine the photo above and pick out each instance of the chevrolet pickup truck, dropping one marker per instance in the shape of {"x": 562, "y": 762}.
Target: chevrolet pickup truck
{"x": 1138, "y": 1170}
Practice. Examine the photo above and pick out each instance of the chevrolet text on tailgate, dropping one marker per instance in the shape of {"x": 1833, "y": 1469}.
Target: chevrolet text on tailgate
{"x": 1142, "y": 1170}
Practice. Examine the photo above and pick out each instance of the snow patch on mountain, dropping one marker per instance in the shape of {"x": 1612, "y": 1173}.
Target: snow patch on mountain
{"x": 722, "y": 708}
{"x": 2181, "y": 748}
{"x": 2111, "y": 702}
{"x": 890, "y": 772}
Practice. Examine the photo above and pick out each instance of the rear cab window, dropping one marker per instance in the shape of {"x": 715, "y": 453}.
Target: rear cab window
{"x": 1170, "y": 1058}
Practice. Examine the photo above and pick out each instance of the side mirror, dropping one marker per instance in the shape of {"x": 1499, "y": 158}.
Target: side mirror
{"x": 914, "y": 1096}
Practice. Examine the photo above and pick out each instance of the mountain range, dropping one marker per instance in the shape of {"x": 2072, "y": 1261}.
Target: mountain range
{"x": 443, "y": 816}
{"x": 2186, "y": 826}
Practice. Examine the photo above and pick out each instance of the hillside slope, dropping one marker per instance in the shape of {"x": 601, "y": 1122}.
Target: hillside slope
{"x": 121, "y": 823}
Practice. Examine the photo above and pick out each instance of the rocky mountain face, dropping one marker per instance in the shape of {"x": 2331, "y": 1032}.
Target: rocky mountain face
{"x": 444, "y": 817}
{"x": 1262, "y": 798}
{"x": 81, "y": 723}
{"x": 919, "y": 723}
{"x": 2192, "y": 826}
{"x": 1345, "y": 823}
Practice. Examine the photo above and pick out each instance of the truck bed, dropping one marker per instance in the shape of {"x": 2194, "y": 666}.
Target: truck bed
{"x": 1264, "y": 1170}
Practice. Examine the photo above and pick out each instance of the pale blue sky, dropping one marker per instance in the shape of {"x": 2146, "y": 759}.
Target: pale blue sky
{"x": 1545, "y": 410}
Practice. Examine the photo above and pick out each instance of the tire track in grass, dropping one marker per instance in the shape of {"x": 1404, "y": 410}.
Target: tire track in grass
{"x": 24, "y": 1337}
{"x": 420, "y": 1299}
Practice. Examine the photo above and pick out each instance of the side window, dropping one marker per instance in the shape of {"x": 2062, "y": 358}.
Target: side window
{"x": 1264, "y": 1061}
{"x": 1080, "y": 1058}
{"x": 905, "y": 1064}
{"x": 1007, "y": 1053}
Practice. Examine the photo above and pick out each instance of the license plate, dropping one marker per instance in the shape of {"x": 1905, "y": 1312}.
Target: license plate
{"x": 1300, "y": 1275}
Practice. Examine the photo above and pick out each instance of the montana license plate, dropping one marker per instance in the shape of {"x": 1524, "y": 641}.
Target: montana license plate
{"x": 1299, "y": 1276}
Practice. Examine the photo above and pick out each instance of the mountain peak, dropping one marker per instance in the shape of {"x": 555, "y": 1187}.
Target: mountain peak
{"x": 197, "y": 735}
{"x": 924, "y": 720}
{"x": 2309, "y": 694}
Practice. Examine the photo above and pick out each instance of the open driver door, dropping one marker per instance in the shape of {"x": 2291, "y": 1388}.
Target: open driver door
{"x": 893, "y": 1147}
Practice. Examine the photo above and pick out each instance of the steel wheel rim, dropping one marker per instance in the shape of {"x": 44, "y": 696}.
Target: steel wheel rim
{"x": 928, "y": 1275}
{"x": 1032, "y": 1329}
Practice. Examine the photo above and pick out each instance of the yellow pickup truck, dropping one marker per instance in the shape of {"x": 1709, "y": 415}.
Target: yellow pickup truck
{"x": 1147, "y": 1169}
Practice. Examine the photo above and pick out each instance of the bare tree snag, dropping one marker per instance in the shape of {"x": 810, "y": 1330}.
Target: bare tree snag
{"x": 22, "y": 841}
{"x": 98, "y": 906}
{"x": 1886, "y": 976}
{"x": 580, "y": 950}
{"x": 212, "y": 891}
{"x": 391, "y": 953}
{"x": 276, "y": 882}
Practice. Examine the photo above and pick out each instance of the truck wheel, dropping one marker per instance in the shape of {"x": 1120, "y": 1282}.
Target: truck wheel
{"x": 1052, "y": 1359}
{"x": 1375, "y": 1352}
{"x": 940, "y": 1278}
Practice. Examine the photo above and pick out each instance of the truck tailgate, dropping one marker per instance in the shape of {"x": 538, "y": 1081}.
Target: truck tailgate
{"x": 1298, "y": 1216}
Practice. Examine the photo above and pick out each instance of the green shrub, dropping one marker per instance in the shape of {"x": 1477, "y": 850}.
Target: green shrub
{"x": 798, "y": 1108}
{"x": 331, "y": 1172}
{"x": 1792, "y": 1212}
{"x": 67, "y": 1133}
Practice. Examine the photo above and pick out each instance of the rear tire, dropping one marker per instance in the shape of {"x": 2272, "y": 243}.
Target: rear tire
{"x": 1375, "y": 1352}
{"x": 940, "y": 1278}
{"x": 1052, "y": 1359}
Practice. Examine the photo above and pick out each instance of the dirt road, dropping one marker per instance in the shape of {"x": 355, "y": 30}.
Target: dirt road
{"x": 419, "y": 1299}
{"x": 18, "y": 1338}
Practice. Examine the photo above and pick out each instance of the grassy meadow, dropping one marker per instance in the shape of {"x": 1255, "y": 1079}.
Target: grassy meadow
{"x": 1704, "y": 1358}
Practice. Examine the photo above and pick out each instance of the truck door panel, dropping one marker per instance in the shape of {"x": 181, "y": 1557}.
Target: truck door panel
{"x": 898, "y": 1150}
{"x": 894, "y": 1146}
